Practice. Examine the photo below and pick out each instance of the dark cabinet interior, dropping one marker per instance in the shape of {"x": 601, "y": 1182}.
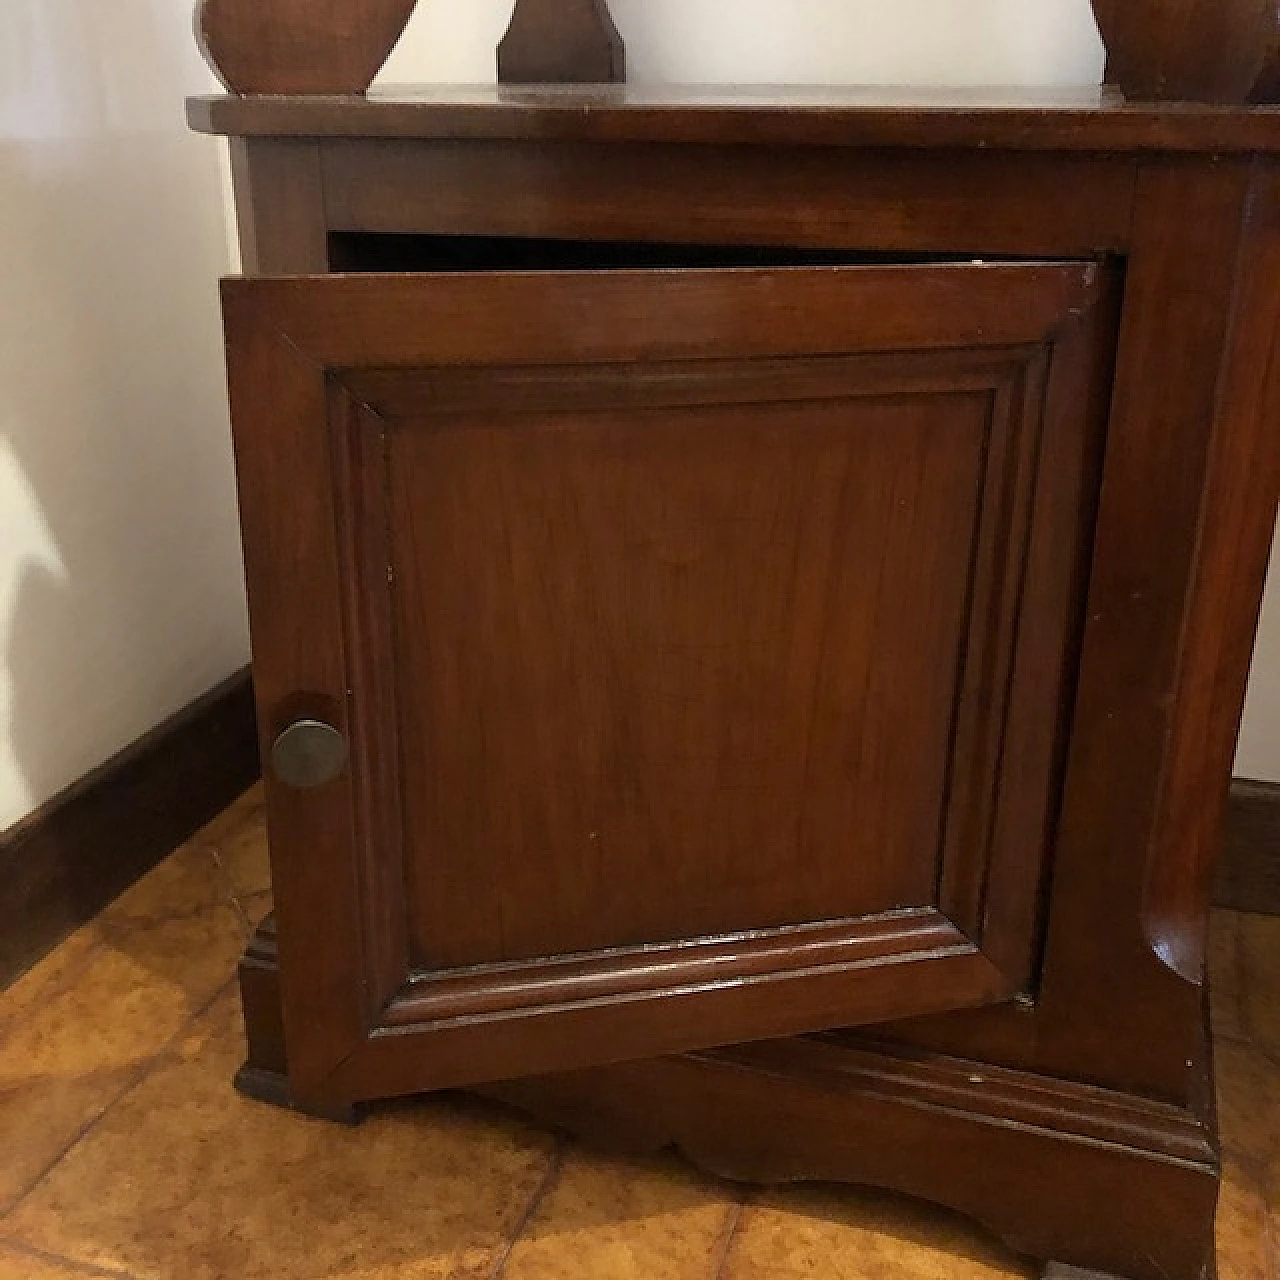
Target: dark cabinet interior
{"x": 381, "y": 252}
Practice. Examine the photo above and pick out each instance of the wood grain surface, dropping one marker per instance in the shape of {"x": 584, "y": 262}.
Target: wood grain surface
{"x": 299, "y": 46}
{"x": 938, "y": 120}
{"x": 660, "y": 609}
{"x": 1186, "y": 50}
{"x": 561, "y": 42}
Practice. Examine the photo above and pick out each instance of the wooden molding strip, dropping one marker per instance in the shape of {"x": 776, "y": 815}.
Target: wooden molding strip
{"x": 1092, "y": 121}
{"x": 75, "y": 854}
{"x": 1249, "y": 872}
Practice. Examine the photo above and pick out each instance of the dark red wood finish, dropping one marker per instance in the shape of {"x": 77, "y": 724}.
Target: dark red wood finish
{"x": 1198, "y": 50}
{"x": 299, "y": 46}
{"x": 561, "y": 42}
{"x": 958, "y": 121}
{"x": 1075, "y": 1119}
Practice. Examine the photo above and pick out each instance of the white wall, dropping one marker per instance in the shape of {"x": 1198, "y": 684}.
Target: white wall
{"x": 982, "y": 42}
{"x": 120, "y": 592}
{"x": 120, "y": 595}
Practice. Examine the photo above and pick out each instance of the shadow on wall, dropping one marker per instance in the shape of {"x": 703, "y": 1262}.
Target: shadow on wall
{"x": 120, "y": 588}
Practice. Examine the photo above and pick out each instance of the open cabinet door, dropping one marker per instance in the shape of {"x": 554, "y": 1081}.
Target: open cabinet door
{"x": 653, "y": 660}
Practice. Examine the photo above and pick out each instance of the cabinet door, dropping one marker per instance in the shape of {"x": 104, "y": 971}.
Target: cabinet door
{"x": 652, "y": 660}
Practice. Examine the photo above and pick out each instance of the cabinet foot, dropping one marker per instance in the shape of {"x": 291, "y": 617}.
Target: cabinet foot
{"x": 265, "y": 1076}
{"x": 273, "y": 1088}
{"x": 1061, "y": 1271}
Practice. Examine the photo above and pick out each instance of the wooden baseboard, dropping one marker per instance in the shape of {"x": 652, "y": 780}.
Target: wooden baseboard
{"x": 74, "y": 855}
{"x": 1249, "y": 873}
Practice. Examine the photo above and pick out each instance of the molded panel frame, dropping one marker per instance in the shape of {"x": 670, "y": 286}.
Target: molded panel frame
{"x": 357, "y": 1023}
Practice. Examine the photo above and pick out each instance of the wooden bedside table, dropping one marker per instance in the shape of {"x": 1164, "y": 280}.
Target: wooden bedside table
{"x": 772, "y": 569}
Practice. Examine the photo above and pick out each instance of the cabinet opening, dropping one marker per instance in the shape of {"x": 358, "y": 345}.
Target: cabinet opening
{"x": 355, "y": 252}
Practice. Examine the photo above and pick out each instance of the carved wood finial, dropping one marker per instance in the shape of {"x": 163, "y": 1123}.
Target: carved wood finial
{"x": 1192, "y": 50}
{"x": 562, "y": 42}
{"x": 1196, "y": 50}
{"x": 299, "y": 46}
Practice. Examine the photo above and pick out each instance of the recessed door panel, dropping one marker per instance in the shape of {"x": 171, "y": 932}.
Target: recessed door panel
{"x": 677, "y": 673}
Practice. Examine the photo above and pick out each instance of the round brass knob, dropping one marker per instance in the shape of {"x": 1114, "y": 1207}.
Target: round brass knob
{"x": 308, "y": 754}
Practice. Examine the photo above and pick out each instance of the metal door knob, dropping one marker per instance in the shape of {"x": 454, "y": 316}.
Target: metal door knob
{"x": 308, "y": 754}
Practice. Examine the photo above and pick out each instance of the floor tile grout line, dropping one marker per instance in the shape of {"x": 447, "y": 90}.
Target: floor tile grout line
{"x": 233, "y": 895}
{"x": 44, "y": 1255}
{"x": 135, "y": 1078}
{"x": 725, "y": 1245}
{"x": 128, "y": 1084}
{"x": 549, "y": 1178}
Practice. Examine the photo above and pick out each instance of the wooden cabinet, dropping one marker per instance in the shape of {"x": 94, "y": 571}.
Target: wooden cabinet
{"x": 751, "y": 604}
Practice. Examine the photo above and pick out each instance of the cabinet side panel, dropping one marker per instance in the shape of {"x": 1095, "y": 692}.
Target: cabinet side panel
{"x": 1110, "y": 1010}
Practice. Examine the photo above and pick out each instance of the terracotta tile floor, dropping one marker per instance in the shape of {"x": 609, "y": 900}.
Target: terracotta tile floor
{"x": 124, "y": 1151}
